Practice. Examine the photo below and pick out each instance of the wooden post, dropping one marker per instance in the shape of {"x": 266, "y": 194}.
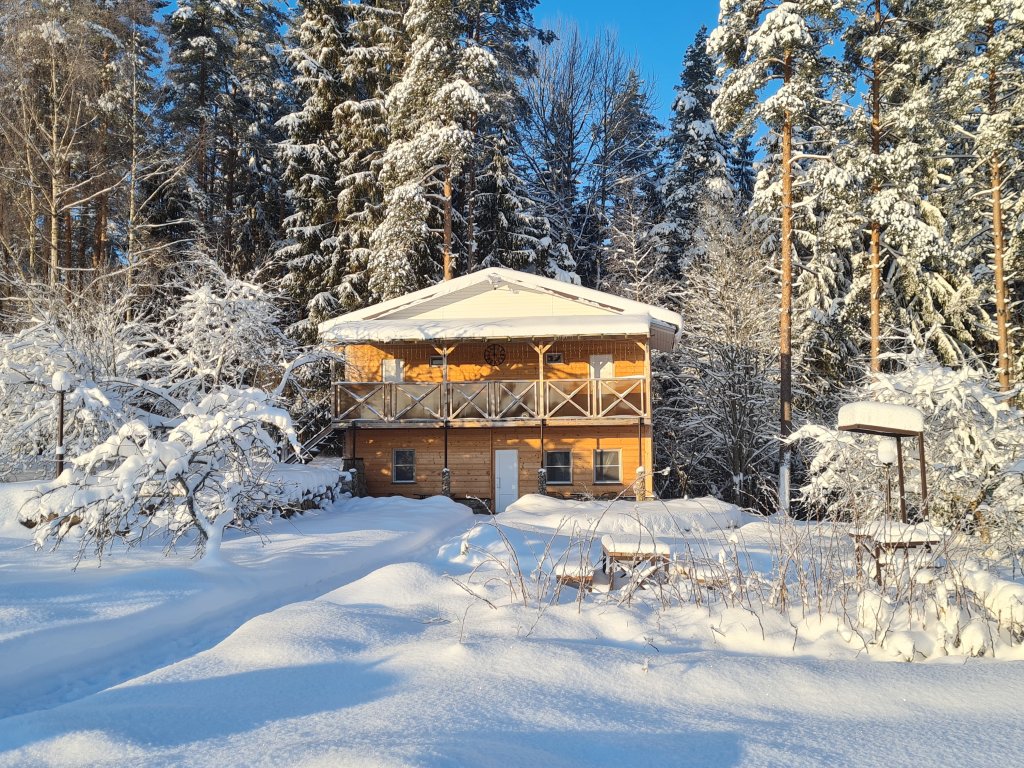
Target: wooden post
{"x": 903, "y": 491}
{"x": 924, "y": 477}
{"x": 60, "y": 432}
{"x": 448, "y": 272}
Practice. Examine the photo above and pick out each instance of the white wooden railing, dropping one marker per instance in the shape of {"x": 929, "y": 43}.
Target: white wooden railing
{"x": 507, "y": 400}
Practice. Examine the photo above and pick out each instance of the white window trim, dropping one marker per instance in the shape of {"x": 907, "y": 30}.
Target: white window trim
{"x": 559, "y": 482}
{"x": 394, "y": 456}
{"x": 594, "y": 462}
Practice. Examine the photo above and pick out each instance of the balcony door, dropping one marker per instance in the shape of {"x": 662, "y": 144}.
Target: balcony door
{"x": 506, "y": 479}
{"x": 392, "y": 370}
{"x": 601, "y": 367}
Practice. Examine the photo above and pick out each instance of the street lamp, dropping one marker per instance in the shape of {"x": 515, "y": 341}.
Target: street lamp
{"x": 62, "y": 382}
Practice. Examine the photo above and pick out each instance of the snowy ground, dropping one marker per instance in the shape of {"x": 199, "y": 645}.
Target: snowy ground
{"x": 344, "y": 640}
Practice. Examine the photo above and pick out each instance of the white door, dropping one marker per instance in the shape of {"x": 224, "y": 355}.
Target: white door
{"x": 392, "y": 370}
{"x": 601, "y": 367}
{"x": 506, "y": 479}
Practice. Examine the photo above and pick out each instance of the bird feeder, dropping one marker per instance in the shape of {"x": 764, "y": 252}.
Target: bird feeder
{"x": 895, "y": 422}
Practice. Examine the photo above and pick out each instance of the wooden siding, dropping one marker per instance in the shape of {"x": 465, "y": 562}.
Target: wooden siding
{"x": 471, "y": 456}
{"x": 466, "y": 362}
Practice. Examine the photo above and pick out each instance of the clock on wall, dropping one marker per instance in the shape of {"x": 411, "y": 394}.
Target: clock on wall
{"x": 494, "y": 354}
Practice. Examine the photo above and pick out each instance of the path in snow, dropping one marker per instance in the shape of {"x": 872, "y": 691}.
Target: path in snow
{"x": 66, "y": 635}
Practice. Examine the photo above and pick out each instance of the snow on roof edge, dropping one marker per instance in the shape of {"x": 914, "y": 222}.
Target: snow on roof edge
{"x": 386, "y": 330}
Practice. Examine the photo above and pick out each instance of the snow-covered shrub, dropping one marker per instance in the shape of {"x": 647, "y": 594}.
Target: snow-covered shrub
{"x": 974, "y": 440}
{"x": 207, "y": 472}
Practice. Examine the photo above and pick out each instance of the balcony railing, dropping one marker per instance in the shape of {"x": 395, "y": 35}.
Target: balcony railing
{"x": 513, "y": 400}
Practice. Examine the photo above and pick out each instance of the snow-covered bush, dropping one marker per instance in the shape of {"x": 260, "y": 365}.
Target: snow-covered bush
{"x": 207, "y": 472}
{"x": 974, "y": 441}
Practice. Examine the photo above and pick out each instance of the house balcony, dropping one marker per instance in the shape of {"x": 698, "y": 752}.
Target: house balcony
{"x": 470, "y": 403}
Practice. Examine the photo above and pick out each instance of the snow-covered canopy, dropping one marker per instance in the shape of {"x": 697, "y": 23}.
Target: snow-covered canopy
{"x": 881, "y": 418}
{"x": 500, "y": 303}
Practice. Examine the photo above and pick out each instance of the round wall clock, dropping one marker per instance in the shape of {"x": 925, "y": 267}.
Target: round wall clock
{"x": 494, "y": 354}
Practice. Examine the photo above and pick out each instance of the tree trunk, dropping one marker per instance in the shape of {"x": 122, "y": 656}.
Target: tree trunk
{"x": 786, "y": 310}
{"x": 998, "y": 242}
{"x": 448, "y": 271}
{"x": 876, "y": 229}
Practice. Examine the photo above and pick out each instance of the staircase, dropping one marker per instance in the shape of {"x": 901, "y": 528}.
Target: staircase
{"x": 313, "y": 433}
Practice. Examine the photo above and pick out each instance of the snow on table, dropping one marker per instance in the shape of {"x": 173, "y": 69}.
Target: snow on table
{"x": 623, "y": 544}
{"x": 894, "y": 532}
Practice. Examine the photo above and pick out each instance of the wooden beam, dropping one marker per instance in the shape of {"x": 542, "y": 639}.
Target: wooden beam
{"x": 903, "y": 490}
{"x": 924, "y": 476}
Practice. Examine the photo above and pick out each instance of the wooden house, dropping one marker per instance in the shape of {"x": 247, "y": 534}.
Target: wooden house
{"x": 497, "y": 375}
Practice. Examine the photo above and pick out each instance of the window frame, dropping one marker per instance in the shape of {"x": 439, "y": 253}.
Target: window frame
{"x": 395, "y": 465}
{"x": 554, "y": 358}
{"x": 547, "y": 466}
{"x": 435, "y": 361}
{"x": 618, "y": 452}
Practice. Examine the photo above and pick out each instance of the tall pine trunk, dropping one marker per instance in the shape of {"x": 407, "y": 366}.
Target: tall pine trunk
{"x": 998, "y": 241}
{"x": 876, "y": 229}
{"x": 786, "y": 311}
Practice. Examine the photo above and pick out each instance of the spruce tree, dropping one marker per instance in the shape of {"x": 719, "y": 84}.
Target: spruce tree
{"x": 225, "y": 92}
{"x": 697, "y": 187}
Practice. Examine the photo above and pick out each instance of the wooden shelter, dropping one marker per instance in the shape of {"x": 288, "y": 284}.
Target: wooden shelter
{"x": 892, "y": 421}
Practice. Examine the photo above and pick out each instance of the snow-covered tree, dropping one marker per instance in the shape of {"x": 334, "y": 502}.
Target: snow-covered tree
{"x": 773, "y": 60}
{"x": 905, "y": 273}
{"x": 974, "y": 442}
{"x": 345, "y": 58}
{"x": 974, "y": 52}
{"x": 717, "y": 391}
{"x": 225, "y": 92}
{"x": 207, "y": 472}
{"x": 697, "y": 188}
{"x": 75, "y": 100}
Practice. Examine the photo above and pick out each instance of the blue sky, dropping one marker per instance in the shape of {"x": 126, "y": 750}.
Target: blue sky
{"x": 657, "y": 31}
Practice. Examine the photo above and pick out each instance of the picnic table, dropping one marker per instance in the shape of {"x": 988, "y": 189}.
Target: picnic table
{"x": 640, "y": 559}
{"x": 884, "y": 539}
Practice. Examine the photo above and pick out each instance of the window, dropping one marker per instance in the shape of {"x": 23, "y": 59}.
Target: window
{"x": 437, "y": 361}
{"x": 553, "y": 358}
{"x": 403, "y": 465}
{"x": 608, "y": 466}
{"x": 559, "y": 467}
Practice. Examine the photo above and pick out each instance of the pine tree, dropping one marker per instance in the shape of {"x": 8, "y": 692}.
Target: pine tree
{"x": 762, "y": 45}
{"x": 697, "y": 187}
{"x": 974, "y": 52}
{"x": 891, "y": 157}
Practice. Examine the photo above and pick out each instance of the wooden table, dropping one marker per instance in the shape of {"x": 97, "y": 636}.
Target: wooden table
{"x": 890, "y": 537}
{"x": 641, "y": 559}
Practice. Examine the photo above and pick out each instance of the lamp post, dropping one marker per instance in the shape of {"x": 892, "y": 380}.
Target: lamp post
{"x": 62, "y": 383}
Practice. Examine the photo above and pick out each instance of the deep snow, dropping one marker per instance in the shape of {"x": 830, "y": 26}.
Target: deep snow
{"x": 396, "y": 664}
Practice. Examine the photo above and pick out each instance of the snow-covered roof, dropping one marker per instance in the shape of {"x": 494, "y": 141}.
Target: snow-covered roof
{"x": 881, "y": 418}
{"x": 503, "y": 303}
